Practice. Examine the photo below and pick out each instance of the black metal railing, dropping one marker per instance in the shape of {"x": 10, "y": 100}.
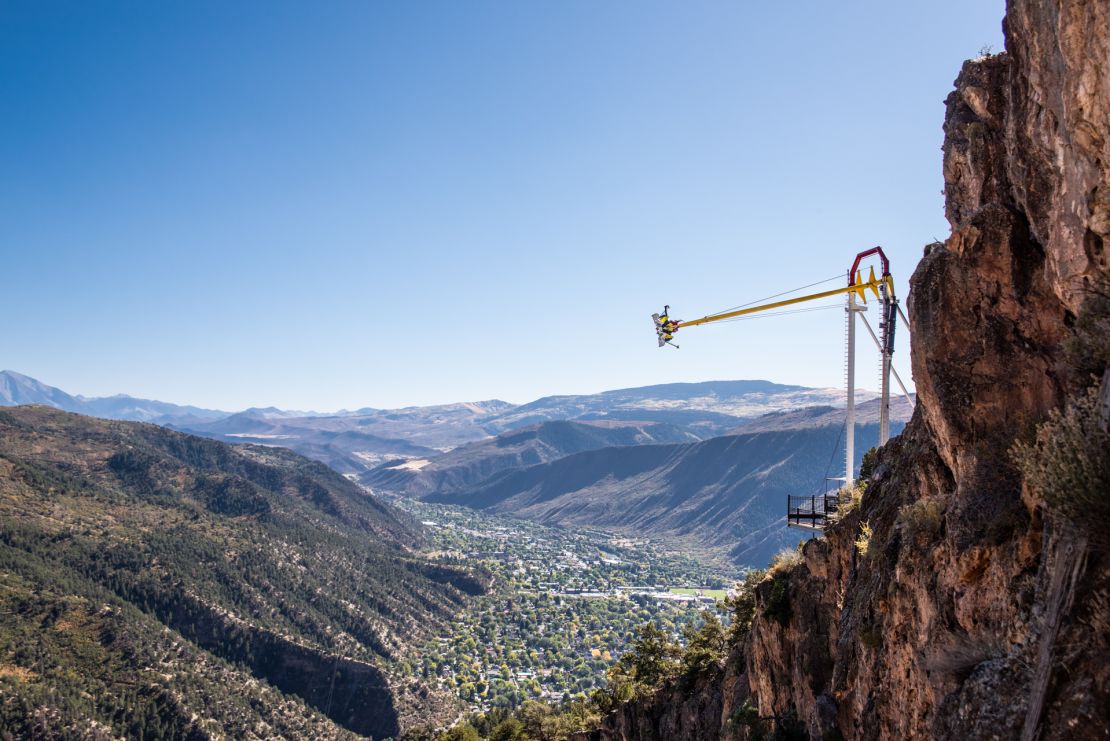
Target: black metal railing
{"x": 813, "y": 511}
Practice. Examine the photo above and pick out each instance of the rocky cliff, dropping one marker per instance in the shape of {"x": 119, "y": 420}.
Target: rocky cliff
{"x": 972, "y": 609}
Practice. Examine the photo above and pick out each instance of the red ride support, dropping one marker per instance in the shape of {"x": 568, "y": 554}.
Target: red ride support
{"x": 867, "y": 253}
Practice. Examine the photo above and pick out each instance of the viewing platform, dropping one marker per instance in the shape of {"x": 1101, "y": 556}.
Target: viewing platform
{"x": 813, "y": 512}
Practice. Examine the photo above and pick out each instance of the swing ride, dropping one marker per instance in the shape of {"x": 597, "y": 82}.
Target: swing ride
{"x": 814, "y": 512}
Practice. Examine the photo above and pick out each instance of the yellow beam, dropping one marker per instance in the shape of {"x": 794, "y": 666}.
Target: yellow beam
{"x": 859, "y": 287}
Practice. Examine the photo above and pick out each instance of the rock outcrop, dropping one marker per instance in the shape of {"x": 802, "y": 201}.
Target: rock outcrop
{"x": 971, "y": 611}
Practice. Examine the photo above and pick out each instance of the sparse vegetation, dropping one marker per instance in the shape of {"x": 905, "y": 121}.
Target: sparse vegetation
{"x": 850, "y": 498}
{"x": 863, "y": 540}
{"x": 923, "y": 517}
{"x": 785, "y": 560}
{"x": 867, "y": 464}
{"x": 778, "y": 601}
{"x": 1068, "y": 465}
{"x": 1068, "y": 462}
{"x": 162, "y": 556}
{"x": 742, "y": 604}
{"x": 747, "y": 717}
{"x": 1087, "y": 350}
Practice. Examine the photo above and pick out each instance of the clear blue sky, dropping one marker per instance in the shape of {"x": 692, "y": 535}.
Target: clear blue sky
{"x": 345, "y": 204}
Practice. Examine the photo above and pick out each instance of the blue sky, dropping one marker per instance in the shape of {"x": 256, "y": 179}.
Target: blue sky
{"x": 346, "y": 204}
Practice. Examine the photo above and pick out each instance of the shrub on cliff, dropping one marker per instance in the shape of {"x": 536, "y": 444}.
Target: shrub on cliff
{"x": 1087, "y": 351}
{"x": 863, "y": 541}
{"x": 509, "y": 729}
{"x": 535, "y": 721}
{"x": 778, "y": 606}
{"x": 785, "y": 560}
{"x": 547, "y": 723}
{"x": 849, "y": 498}
{"x": 1068, "y": 465}
{"x": 924, "y": 517}
{"x": 706, "y": 648}
{"x": 746, "y": 717}
{"x": 742, "y": 604}
{"x": 868, "y": 463}
{"x": 746, "y": 722}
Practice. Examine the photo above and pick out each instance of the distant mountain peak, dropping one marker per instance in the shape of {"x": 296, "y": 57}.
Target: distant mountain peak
{"x": 17, "y": 389}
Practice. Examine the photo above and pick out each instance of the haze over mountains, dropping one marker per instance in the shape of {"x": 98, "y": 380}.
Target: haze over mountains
{"x": 472, "y": 464}
{"x": 357, "y": 441}
{"x": 709, "y": 463}
{"x": 726, "y": 494}
{"x": 16, "y": 389}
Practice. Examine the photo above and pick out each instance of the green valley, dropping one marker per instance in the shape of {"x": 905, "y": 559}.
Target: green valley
{"x": 564, "y": 606}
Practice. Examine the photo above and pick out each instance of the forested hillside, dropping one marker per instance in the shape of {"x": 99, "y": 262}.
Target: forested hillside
{"x": 146, "y": 573}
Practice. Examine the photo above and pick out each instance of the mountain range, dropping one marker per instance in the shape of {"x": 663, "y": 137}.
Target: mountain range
{"x": 708, "y": 463}
{"x": 355, "y": 442}
{"x": 472, "y": 464}
{"x": 186, "y": 565}
{"x": 726, "y": 494}
{"x": 16, "y": 389}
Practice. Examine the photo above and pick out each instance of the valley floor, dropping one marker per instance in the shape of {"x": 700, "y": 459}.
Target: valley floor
{"x": 566, "y": 603}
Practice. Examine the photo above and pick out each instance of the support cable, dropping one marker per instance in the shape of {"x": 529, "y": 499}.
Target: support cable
{"x": 836, "y": 449}
{"x": 778, "y": 313}
{"x": 768, "y": 298}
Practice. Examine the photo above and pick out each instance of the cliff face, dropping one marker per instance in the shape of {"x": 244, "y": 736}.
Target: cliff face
{"x": 971, "y": 612}
{"x": 959, "y": 616}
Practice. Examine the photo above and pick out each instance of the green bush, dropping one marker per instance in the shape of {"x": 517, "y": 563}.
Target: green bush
{"x": 509, "y": 729}
{"x": 1087, "y": 351}
{"x": 652, "y": 659}
{"x": 742, "y": 604}
{"x": 924, "y": 517}
{"x": 778, "y": 602}
{"x": 785, "y": 560}
{"x": 868, "y": 463}
{"x": 461, "y": 732}
{"x": 705, "y": 648}
{"x": 1068, "y": 465}
{"x": 747, "y": 717}
{"x": 784, "y": 728}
